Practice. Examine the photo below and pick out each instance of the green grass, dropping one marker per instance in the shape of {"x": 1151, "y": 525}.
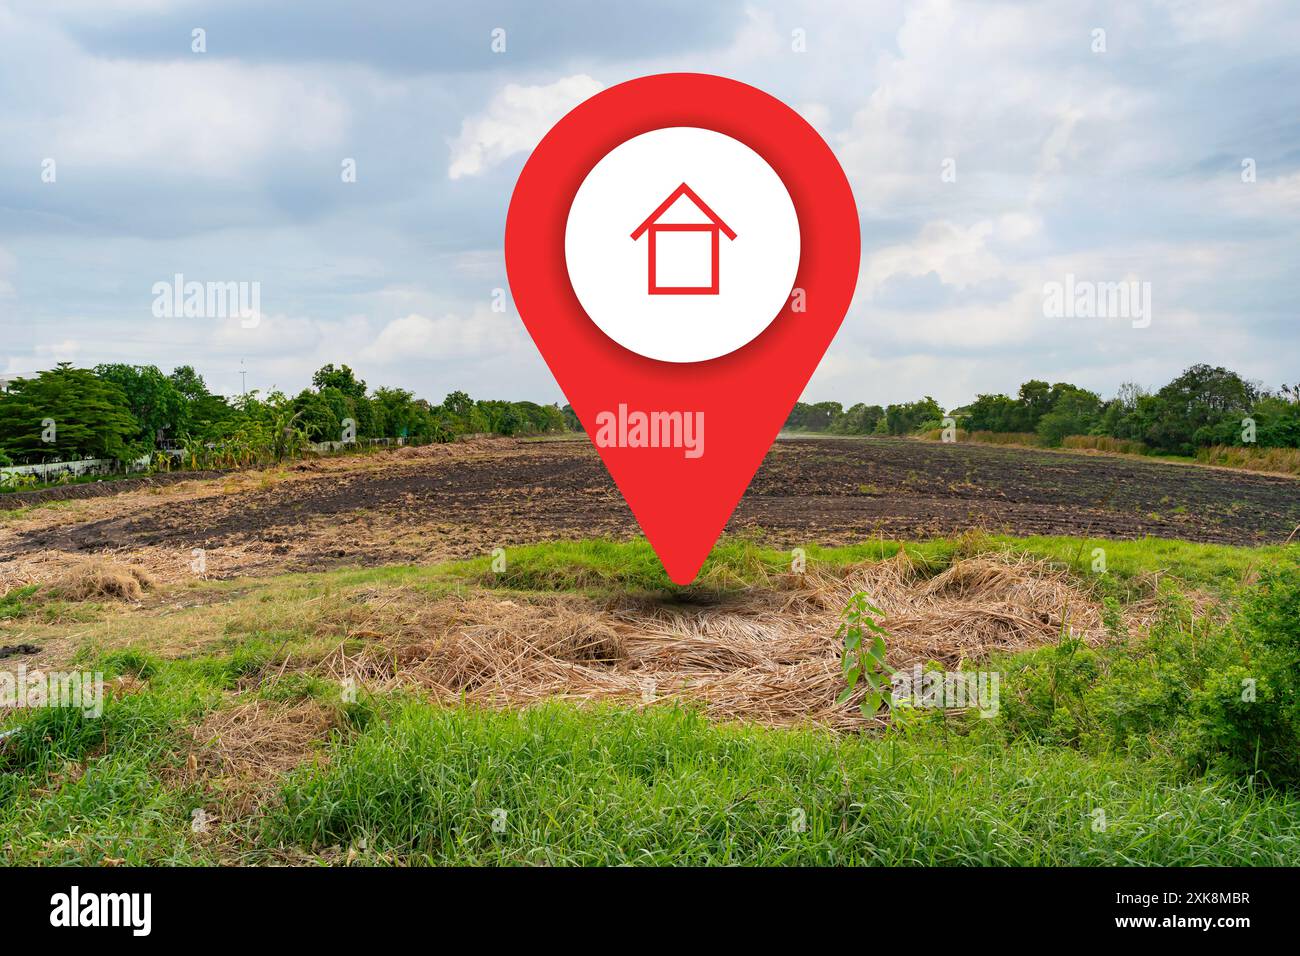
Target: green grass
{"x": 12, "y": 514}
{"x": 84, "y": 790}
{"x": 116, "y": 811}
{"x": 1215, "y": 566}
{"x": 602, "y": 566}
{"x": 10, "y": 488}
{"x": 420, "y": 784}
{"x": 616, "y": 787}
{"x": 17, "y": 603}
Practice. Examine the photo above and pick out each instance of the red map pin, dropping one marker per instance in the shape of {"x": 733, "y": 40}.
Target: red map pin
{"x": 682, "y": 248}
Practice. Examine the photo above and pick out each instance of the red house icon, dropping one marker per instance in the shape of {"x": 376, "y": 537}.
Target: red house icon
{"x": 680, "y": 253}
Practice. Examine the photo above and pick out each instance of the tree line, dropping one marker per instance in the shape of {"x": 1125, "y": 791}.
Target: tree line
{"x": 1204, "y": 406}
{"x": 125, "y": 412}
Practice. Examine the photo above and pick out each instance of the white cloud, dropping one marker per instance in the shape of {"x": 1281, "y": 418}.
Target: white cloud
{"x": 449, "y": 336}
{"x": 1279, "y": 194}
{"x": 1260, "y": 24}
{"x": 480, "y": 264}
{"x": 64, "y": 350}
{"x": 272, "y": 335}
{"x": 959, "y": 255}
{"x": 192, "y": 114}
{"x": 215, "y": 118}
{"x": 818, "y": 116}
{"x": 1102, "y": 166}
{"x": 1007, "y": 91}
{"x": 514, "y": 122}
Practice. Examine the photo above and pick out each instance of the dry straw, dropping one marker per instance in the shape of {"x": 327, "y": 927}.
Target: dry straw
{"x": 245, "y": 748}
{"x": 770, "y": 656}
{"x": 100, "y": 579}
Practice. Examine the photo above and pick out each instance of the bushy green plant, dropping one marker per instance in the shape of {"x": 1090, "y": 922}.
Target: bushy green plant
{"x": 1202, "y": 695}
{"x": 1245, "y": 716}
{"x": 1044, "y": 695}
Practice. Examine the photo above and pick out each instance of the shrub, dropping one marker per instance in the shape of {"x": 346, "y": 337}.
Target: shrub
{"x": 936, "y": 434}
{"x": 1126, "y": 446}
{"x": 1245, "y": 718}
{"x": 1283, "y": 460}
{"x": 1005, "y": 438}
{"x": 985, "y": 437}
{"x": 1203, "y": 696}
{"x": 1044, "y": 695}
{"x": 906, "y": 418}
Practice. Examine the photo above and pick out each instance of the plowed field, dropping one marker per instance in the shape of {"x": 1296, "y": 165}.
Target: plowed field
{"x": 463, "y": 500}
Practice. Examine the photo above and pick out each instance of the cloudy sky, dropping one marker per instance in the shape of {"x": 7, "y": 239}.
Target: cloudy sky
{"x": 1122, "y": 163}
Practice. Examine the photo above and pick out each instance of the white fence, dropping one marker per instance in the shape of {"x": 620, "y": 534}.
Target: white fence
{"x": 75, "y": 469}
{"x": 53, "y": 471}
{"x": 323, "y": 447}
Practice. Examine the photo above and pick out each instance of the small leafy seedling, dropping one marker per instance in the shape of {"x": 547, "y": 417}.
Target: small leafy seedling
{"x": 864, "y": 652}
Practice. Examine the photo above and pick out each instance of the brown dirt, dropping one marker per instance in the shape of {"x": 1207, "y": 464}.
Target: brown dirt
{"x": 463, "y": 500}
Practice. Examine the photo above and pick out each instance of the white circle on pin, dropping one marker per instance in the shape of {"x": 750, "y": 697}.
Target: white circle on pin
{"x": 682, "y": 244}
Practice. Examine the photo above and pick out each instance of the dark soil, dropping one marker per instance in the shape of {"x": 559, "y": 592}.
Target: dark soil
{"x": 830, "y": 491}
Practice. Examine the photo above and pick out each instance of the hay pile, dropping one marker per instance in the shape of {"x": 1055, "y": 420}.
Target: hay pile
{"x": 102, "y": 579}
{"x": 770, "y": 657}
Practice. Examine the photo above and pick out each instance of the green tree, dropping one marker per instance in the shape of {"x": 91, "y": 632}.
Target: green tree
{"x": 341, "y": 378}
{"x": 315, "y": 417}
{"x": 458, "y": 404}
{"x": 1075, "y": 411}
{"x": 1118, "y": 416}
{"x": 188, "y": 382}
{"x": 396, "y": 414}
{"x": 202, "y": 411}
{"x": 153, "y": 399}
{"x": 1201, "y": 398}
{"x": 363, "y": 410}
{"x": 813, "y": 418}
{"x": 571, "y": 421}
{"x": 992, "y": 413}
{"x": 859, "y": 419}
{"x": 906, "y": 418}
{"x": 81, "y": 415}
{"x": 341, "y": 407}
{"x": 1035, "y": 402}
